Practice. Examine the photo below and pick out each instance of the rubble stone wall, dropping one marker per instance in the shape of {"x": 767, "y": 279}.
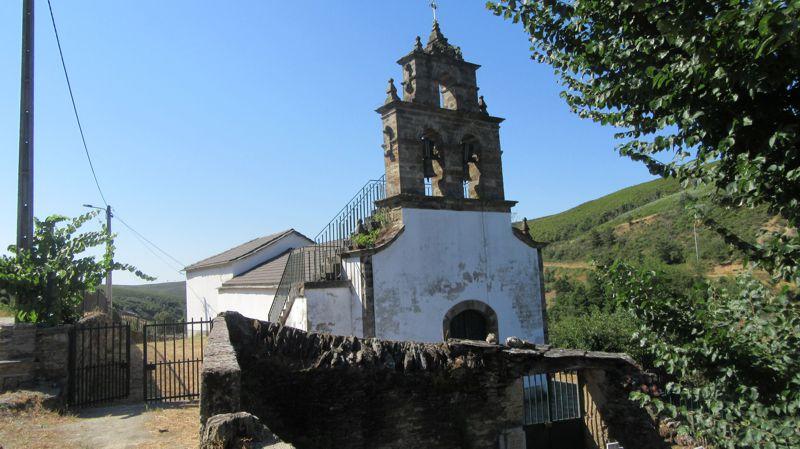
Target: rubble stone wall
{"x": 29, "y": 354}
{"x": 325, "y": 391}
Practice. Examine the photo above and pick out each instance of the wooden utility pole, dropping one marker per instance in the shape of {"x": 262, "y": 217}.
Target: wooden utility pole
{"x": 25, "y": 186}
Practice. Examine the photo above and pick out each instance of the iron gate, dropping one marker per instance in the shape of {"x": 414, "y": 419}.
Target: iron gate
{"x": 98, "y": 364}
{"x": 173, "y": 359}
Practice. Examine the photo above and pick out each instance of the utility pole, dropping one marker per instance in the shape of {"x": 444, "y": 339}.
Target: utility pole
{"x": 109, "y": 284}
{"x": 25, "y": 177}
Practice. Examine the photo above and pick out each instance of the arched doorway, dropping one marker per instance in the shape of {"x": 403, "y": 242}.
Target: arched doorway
{"x": 469, "y": 325}
{"x": 469, "y": 320}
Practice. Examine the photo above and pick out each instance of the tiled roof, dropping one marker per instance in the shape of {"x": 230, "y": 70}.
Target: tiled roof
{"x": 267, "y": 274}
{"x": 242, "y": 250}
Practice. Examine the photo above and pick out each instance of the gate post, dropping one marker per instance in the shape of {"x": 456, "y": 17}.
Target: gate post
{"x": 128, "y": 359}
{"x": 71, "y": 366}
{"x": 144, "y": 362}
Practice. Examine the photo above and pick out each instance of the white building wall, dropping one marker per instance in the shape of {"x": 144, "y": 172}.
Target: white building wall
{"x": 250, "y": 302}
{"x": 444, "y": 257}
{"x": 201, "y": 291}
{"x": 298, "y": 316}
{"x": 202, "y": 284}
{"x": 331, "y": 310}
{"x": 352, "y": 272}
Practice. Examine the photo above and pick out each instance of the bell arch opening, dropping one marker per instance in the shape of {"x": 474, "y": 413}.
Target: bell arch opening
{"x": 470, "y": 320}
{"x": 471, "y": 157}
{"x": 432, "y": 163}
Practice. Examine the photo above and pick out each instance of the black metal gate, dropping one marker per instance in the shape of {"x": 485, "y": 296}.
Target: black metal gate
{"x": 554, "y": 410}
{"x": 173, "y": 359}
{"x": 99, "y": 364}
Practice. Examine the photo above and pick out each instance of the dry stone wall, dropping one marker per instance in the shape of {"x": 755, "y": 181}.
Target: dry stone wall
{"x": 324, "y": 391}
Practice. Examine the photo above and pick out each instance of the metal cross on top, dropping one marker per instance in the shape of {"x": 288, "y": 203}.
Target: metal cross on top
{"x": 434, "y": 7}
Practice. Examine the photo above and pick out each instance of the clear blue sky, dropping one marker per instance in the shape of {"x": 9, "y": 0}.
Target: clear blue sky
{"x": 212, "y": 123}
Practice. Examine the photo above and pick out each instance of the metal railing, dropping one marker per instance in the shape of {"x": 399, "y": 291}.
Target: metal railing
{"x": 321, "y": 261}
{"x": 551, "y": 397}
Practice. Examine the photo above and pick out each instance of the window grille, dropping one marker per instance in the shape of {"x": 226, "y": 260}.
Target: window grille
{"x": 551, "y": 397}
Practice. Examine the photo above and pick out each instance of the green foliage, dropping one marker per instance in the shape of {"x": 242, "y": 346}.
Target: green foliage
{"x": 703, "y": 80}
{"x": 732, "y": 350}
{"x": 148, "y": 300}
{"x": 596, "y": 330}
{"x": 633, "y": 235}
{"x": 369, "y": 236}
{"x": 47, "y": 284}
{"x": 669, "y": 252}
{"x": 578, "y": 220}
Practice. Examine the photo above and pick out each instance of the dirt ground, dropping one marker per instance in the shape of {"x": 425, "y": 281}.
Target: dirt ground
{"x": 126, "y": 426}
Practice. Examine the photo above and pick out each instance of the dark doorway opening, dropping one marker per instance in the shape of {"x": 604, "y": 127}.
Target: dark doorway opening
{"x": 469, "y": 325}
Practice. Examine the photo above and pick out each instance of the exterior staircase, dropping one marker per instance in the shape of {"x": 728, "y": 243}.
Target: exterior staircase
{"x": 322, "y": 261}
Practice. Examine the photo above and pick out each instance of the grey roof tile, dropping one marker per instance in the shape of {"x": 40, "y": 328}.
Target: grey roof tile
{"x": 267, "y": 274}
{"x": 242, "y": 251}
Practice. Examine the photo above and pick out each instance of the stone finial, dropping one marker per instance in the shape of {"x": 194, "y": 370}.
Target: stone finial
{"x": 418, "y": 44}
{"x": 438, "y": 45}
{"x": 391, "y": 92}
{"x": 436, "y": 34}
{"x": 525, "y": 228}
{"x": 482, "y": 105}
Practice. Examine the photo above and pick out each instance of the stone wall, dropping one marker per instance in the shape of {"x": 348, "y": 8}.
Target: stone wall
{"x": 323, "y": 391}
{"x": 30, "y": 354}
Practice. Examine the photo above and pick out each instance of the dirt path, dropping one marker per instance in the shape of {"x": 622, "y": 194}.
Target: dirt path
{"x": 568, "y": 265}
{"x": 127, "y": 426}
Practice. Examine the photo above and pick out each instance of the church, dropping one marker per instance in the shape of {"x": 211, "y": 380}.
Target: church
{"x": 425, "y": 253}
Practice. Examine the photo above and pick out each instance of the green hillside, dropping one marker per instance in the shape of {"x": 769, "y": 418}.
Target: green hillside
{"x": 645, "y": 223}
{"x": 164, "y": 301}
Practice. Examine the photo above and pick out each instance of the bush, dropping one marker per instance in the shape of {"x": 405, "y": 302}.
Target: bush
{"x": 47, "y": 283}
{"x": 596, "y": 330}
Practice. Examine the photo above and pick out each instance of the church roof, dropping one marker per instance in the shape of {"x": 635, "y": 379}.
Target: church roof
{"x": 267, "y": 274}
{"x": 243, "y": 250}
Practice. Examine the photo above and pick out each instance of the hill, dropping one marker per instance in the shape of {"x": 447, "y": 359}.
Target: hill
{"x": 646, "y": 223}
{"x": 164, "y": 301}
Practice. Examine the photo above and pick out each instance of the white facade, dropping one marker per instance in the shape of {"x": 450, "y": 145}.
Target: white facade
{"x": 443, "y": 260}
{"x": 446, "y": 257}
{"x": 206, "y": 297}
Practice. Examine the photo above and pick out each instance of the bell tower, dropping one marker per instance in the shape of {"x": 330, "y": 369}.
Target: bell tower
{"x": 441, "y": 146}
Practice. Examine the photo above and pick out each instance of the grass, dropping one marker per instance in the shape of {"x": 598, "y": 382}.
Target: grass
{"x": 171, "y": 379}
{"x": 648, "y": 224}
{"x": 580, "y": 219}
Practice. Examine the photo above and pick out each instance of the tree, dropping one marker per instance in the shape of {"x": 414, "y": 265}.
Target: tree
{"x": 711, "y": 83}
{"x": 47, "y": 284}
{"x": 732, "y": 353}
{"x": 714, "y": 87}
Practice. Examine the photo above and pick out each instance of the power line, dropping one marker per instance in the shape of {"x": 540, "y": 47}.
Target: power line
{"x": 74, "y": 107}
{"x": 181, "y": 264}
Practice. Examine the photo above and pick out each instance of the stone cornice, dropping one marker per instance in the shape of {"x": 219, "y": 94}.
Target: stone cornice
{"x": 407, "y": 105}
{"x": 410, "y": 201}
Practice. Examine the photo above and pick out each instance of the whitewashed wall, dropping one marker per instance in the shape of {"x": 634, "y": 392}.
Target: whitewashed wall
{"x": 250, "y": 302}
{"x": 202, "y": 285}
{"x": 352, "y": 272}
{"x": 445, "y": 257}
{"x": 298, "y": 316}
{"x": 332, "y": 310}
{"x": 201, "y": 291}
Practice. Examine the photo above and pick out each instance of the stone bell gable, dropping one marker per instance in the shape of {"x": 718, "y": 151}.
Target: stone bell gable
{"x": 440, "y": 130}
